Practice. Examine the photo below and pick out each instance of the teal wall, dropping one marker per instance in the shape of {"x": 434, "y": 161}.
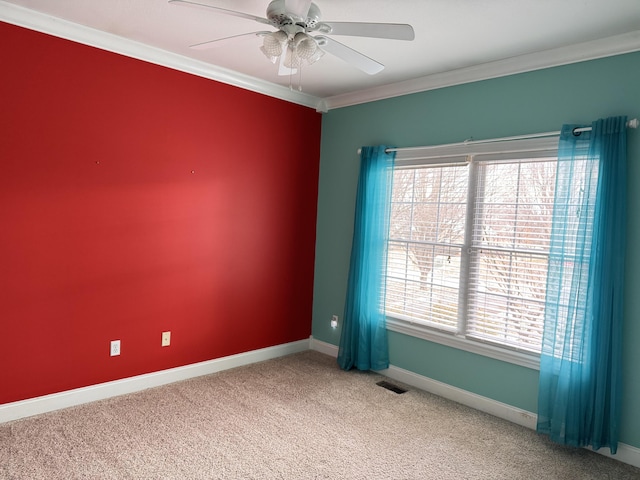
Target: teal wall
{"x": 539, "y": 101}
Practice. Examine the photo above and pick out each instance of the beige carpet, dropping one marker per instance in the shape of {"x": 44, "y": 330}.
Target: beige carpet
{"x": 297, "y": 417}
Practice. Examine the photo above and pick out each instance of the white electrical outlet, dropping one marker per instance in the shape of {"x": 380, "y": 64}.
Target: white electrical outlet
{"x": 115, "y": 348}
{"x": 166, "y": 339}
{"x": 334, "y": 321}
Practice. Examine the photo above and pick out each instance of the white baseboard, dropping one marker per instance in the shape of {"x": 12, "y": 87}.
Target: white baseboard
{"x": 484, "y": 404}
{"x": 626, "y": 453}
{"x": 323, "y": 347}
{"x": 101, "y": 391}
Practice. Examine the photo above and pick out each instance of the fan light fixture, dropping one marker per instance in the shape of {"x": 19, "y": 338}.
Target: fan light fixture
{"x": 273, "y": 45}
{"x": 299, "y": 48}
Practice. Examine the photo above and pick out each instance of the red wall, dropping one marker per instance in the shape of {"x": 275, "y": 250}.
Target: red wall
{"x": 136, "y": 199}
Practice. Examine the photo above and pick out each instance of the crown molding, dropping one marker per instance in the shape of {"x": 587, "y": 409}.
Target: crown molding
{"x": 57, "y": 27}
{"x": 615, "y": 45}
{"x": 605, "y": 47}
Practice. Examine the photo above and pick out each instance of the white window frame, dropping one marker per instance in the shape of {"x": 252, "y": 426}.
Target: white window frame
{"x": 543, "y": 147}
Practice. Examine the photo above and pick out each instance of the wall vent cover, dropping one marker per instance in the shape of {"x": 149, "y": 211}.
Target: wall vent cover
{"x": 391, "y": 386}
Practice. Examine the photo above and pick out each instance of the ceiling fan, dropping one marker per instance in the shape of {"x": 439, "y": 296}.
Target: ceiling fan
{"x": 293, "y": 45}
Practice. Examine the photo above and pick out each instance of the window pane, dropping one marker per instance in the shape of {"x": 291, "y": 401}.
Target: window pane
{"x": 422, "y": 283}
{"x": 506, "y": 300}
{"x": 514, "y": 205}
{"x": 402, "y": 204}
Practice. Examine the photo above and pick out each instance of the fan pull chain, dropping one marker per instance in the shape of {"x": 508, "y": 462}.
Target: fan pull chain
{"x": 291, "y": 79}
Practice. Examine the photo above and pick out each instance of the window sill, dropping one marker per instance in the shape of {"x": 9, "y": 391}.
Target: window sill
{"x": 420, "y": 331}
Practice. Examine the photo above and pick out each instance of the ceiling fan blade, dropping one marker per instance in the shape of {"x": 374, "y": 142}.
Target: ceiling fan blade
{"x": 299, "y": 8}
{"x": 212, "y": 43}
{"x": 349, "y": 55}
{"x": 221, "y": 10}
{"x": 395, "y": 31}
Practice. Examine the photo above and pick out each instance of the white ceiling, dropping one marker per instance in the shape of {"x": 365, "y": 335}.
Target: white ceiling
{"x": 456, "y": 40}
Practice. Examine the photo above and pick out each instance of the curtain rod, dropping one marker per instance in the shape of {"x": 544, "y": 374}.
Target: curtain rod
{"x": 633, "y": 123}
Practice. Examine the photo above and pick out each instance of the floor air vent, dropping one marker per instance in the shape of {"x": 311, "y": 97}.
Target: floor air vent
{"x": 391, "y": 386}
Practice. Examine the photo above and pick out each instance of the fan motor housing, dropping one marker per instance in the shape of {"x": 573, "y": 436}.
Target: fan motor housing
{"x": 279, "y": 17}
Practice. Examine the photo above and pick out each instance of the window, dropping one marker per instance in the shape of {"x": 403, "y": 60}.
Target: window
{"x": 469, "y": 246}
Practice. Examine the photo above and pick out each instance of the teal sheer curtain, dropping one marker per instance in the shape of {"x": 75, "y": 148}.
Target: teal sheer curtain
{"x": 363, "y": 342}
{"x": 580, "y": 364}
